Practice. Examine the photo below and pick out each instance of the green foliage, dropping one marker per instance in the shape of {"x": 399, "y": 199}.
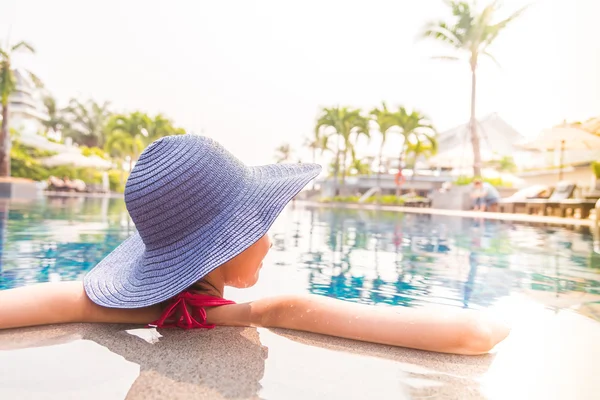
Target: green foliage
{"x": 417, "y": 131}
{"x": 283, "y": 153}
{"x": 349, "y": 124}
{"x": 25, "y": 164}
{"x": 56, "y": 121}
{"x": 596, "y": 169}
{"x": 505, "y": 164}
{"x": 358, "y": 166}
{"x": 470, "y": 30}
{"x": 117, "y": 180}
{"x": 341, "y": 199}
{"x": 8, "y": 83}
{"x": 467, "y": 180}
{"x": 390, "y": 200}
{"x": 85, "y": 122}
{"x": 129, "y": 134}
{"x": 93, "y": 151}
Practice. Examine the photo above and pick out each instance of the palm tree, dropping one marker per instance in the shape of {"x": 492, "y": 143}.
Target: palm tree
{"x": 87, "y": 122}
{"x": 472, "y": 32}
{"x": 319, "y": 142}
{"x": 161, "y": 126}
{"x": 423, "y": 146}
{"x": 362, "y": 166}
{"x": 385, "y": 121}
{"x": 133, "y": 130}
{"x": 414, "y": 128}
{"x": 121, "y": 146}
{"x": 56, "y": 121}
{"x": 8, "y": 84}
{"x": 347, "y": 125}
{"x": 283, "y": 153}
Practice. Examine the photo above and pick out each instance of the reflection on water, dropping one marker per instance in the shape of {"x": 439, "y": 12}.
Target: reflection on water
{"x": 58, "y": 238}
{"x": 362, "y": 256}
{"x": 414, "y": 259}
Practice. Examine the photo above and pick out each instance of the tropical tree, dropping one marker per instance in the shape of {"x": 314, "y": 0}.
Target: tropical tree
{"x": 359, "y": 166}
{"x": 415, "y": 128}
{"x": 423, "y": 146}
{"x": 121, "y": 146}
{"x": 56, "y": 121}
{"x": 283, "y": 153}
{"x": 8, "y": 84}
{"x": 86, "y": 122}
{"x": 347, "y": 125}
{"x": 470, "y": 31}
{"x": 385, "y": 121}
{"x": 160, "y": 126}
{"x": 504, "y": 164}
{"x": 318, "y": 143}
{"x": 132, "y": 129}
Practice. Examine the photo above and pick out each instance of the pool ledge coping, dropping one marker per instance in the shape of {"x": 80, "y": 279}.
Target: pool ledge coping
{"x": 458, "y": 213}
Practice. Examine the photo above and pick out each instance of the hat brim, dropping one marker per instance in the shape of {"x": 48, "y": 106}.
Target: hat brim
{"x": 132, "y": 277}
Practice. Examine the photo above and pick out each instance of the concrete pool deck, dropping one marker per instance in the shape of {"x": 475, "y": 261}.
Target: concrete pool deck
{"x": 549, "y": 355}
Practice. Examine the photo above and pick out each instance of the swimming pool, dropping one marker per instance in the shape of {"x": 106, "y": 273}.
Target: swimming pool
{"x": 380, "y": 258}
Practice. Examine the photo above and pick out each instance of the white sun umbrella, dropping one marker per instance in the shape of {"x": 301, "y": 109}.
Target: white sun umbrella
{"x": 77, "y": 160}
{"x": 42, "y": 143}
{"x": 563, "y": 138}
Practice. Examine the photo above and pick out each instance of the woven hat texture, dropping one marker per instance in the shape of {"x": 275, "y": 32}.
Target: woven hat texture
{"x": 195, "y": 206}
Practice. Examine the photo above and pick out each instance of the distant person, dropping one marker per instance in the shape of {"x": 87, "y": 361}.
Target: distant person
{"x": 486, "y": 196}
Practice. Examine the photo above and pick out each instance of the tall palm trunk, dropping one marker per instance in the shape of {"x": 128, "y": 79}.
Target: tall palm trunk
{"x": 400, "y": 159}
{"x": 4, "y": 142}
{"x": 380, "y": 165}
{"x": 314, "y": 161}
{"x": 473, "y": 123}
{"x": 336, "y": 168}
{"x": 344, "y": 161}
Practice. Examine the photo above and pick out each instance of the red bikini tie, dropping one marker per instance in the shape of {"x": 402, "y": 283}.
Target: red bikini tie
{"x": 181, "y": 304}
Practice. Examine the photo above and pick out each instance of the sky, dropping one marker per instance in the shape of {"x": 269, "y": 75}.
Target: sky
{"x": 254, "y": 74}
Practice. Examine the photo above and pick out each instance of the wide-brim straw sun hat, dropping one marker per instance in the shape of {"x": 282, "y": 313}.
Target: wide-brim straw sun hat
{"x": 195, "y": 206}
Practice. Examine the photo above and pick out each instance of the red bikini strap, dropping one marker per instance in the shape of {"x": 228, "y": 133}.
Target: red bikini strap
{"x": 182, "y": 304}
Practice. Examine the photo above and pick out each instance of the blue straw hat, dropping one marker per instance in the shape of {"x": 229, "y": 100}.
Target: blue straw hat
{"x": 195, "y": 207}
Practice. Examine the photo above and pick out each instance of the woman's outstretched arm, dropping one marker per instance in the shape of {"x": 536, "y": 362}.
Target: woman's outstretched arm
{"x": 54, "y": 303}
{"x": 455, "y": 331}
{"x": 460, "y": 332}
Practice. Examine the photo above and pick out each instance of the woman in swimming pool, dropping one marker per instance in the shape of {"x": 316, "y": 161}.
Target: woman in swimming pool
{"x": 202, "y": 219}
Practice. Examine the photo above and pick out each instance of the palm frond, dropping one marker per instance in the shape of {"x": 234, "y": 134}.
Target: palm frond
{"x": 23, "y": 45}
{"x": 446, "y": 58}
{"x": 440, "y": 31}
{"x": 36, "y": 80}
{"x": 491, "y": 57}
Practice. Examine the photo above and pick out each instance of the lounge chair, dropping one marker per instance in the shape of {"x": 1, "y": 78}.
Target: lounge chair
{"x": 563, "y": 191}
{"x": 519, "y": 199}
{"x": 595, "y": 192}
{"x": 57, "y": 185}
{"x": 583, "y": 205}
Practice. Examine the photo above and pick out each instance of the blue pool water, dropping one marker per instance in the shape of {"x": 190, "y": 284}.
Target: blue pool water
{"x": 361, "y": 256}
